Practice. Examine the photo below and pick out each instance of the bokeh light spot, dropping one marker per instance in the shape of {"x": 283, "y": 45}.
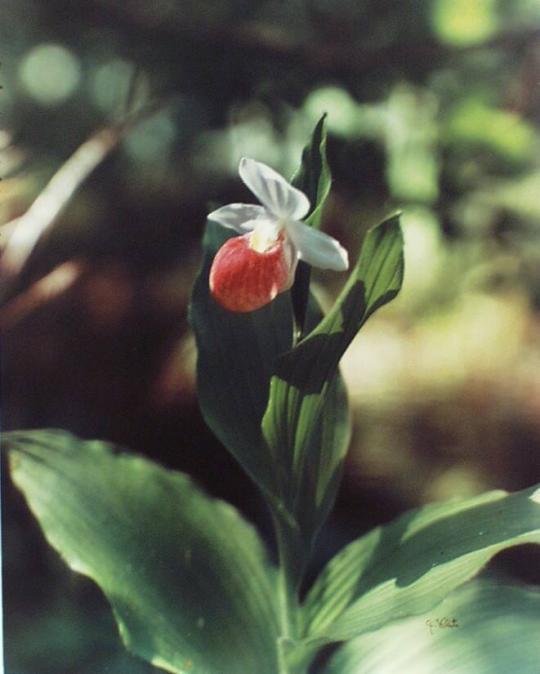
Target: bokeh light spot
{"x": 50, "y": 73}
{"x": 472, "y": 122}
{"x": 346, "y": 117}
{"x": 110, "y": 84}
{"x": 151, "y": 140}
{"x": 464, "y": 22}
{"x": 340, "y": 106}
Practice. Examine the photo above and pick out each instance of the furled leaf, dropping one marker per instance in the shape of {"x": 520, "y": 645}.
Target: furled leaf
{"x": 482, "y": 628}
{"x": 314, "y": 179}
{"x": 305, "y": 409}
{"x": 186, "y": 576}
{"x": 407, "y": 567}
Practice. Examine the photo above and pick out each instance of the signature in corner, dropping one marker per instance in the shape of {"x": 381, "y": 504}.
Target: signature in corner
{"x": 441, "y": 623}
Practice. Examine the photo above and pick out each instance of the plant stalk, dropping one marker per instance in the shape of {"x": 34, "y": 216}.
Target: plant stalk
{"x": 290, "y": 556}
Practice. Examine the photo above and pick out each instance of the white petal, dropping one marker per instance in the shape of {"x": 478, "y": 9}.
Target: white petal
{"x": 239, "y": 217}
{"x": 317, "y": 248}
{"x": 273, "y": 191}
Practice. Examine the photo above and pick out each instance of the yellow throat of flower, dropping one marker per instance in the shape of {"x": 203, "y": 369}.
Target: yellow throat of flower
{"x": 265, "y": 235}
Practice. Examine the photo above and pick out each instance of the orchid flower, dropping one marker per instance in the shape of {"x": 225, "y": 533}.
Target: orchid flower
{"x": 248, "y": 271}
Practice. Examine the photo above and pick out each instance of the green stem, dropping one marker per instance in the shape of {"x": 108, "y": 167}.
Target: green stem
{"x": 294, "y": 656}
{"x": 290, "y": 575}
{"x": 288, "y": 596}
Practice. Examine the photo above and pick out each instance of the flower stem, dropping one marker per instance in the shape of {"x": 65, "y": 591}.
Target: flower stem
{"x": 290, "y": 574}
{"x": 287, "y": 583}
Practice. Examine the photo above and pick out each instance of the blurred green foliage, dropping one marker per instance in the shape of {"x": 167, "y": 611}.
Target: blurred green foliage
{"x": 433, "y": 107}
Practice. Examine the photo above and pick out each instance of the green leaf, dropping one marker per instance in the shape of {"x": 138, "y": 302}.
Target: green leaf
{"x": 314, "y": 179}
{"x": 186, "y": 576}
{"x": 375, "y": 281}
{"x": 482, "y": 628}
{"x": 306, "y": 422}
{"x": 407, "y": 567}
{"x": 236, "y": 354}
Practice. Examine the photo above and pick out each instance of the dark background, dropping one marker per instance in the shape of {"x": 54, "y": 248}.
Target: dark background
{"x": 432, "y": 107}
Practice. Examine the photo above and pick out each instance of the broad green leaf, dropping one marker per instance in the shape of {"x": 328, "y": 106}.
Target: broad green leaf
{"x": 187, "y": 577}
{"x": 235, "y": 360}
{"x": 482, "y": 628}
{"x": 407, "y": 567}
{"x": 305, "y": 421}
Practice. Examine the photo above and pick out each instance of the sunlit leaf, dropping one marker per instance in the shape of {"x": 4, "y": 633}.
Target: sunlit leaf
{"x": 407, "y": 567}
{"x": 375, "y": 281}
{"x": 482, "y": 628}
{"x": 304, "y": 392}
{"x": 187, "y": 577}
